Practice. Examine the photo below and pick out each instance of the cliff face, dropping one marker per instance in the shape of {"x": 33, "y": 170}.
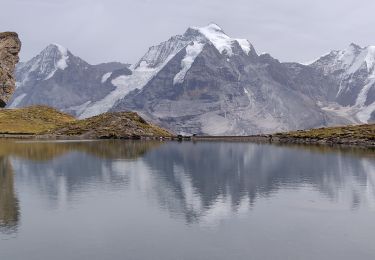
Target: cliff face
{"x": 10, "y": 46}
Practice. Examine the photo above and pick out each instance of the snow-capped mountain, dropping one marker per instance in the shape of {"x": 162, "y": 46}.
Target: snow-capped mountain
{"x": 159, "y": 56}
{"x": 354, "y": 72}
{"x": 45, "y": 65}
{"x": 206, "y": 82}
{"x": 220, "y": 85}
{"x": 56, "y": 77}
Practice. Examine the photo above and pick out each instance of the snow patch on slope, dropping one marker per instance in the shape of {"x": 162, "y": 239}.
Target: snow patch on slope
{"x": 365, "y": 114}
{"x": 124, "y": 85}
{"x": 17, "y": 100}
{"x": 142, "y": 72}
{"x": 248, "y": 94}
{"x": 62, "y": 62}
{"x": 192, "y": 52}
{"x": 106, "y": 76}
{"x": 245, "y": 45}
{"x": 79, "y": 109}
{"x": 362, "y": 96}
{"x": 354, "y": 57}
{"x": 157, "y": 55}
{"x": 370, "y": 60}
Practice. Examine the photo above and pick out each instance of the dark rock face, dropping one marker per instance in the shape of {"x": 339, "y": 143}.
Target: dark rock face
{"x": 111, "y": 66}
{"x": 10, "y": 46}
{"x": 311, "y": 82}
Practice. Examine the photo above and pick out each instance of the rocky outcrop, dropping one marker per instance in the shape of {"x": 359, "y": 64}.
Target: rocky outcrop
{"x": 120, "y": 125}
{"x": 10, "y": 46}
{"x": 47, "y": 122}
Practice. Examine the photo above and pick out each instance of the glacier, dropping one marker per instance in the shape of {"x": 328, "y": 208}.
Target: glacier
{"x": 192, "y": 51}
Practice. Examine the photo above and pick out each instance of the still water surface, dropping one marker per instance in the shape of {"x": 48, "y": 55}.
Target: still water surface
{"x": 152, "y": 200}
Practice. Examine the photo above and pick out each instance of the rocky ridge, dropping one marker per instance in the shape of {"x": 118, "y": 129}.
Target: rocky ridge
{"x": 10, "y": 46}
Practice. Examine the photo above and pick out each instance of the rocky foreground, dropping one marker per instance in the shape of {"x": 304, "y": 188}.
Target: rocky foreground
{"x": 10, "y": 46}
{"x": 46, "y": 122}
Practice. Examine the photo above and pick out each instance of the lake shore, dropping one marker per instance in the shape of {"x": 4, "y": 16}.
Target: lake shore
{"x": 358, "y": 135}
{"x": 272, "y": 139}
{"x": 285, "y": 139}
{"x": 46, "y": 123}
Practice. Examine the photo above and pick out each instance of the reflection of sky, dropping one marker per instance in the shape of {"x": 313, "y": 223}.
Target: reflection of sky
{"x": 206, "y": 183}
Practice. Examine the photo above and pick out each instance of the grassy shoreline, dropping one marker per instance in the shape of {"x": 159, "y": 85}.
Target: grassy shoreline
{"x": 45, "y": 123}
{"x": 356, "y": 135}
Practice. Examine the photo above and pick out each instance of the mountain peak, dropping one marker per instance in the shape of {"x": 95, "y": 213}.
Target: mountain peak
{"x": 212, "y": 27}
{"x": 52, "y": 58}
{"x": 56, "y": 48}
{"x": 212, "y": 32}
{"x": 355, "y": 56}
{"x": 223, "y": 43}
{"x": 61, "y": 48}
{"x": 60, "y": 54}
{"x": 355, "y": 46}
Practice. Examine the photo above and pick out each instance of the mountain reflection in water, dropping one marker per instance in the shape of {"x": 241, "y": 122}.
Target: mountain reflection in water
{"x": 198, "y": 182}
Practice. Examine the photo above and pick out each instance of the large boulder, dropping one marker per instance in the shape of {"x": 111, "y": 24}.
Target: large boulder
{"x": 10, "y": 46}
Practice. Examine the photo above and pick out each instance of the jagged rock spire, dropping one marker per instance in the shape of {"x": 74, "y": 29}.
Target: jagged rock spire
{"x": 10, "y": 46}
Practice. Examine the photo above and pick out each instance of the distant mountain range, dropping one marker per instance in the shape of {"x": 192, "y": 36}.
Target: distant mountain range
{"x": 205, "y": 82}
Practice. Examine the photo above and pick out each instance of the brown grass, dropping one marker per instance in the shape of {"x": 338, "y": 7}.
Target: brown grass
{"x": 39, "y": 120}
{"x": 361, "y": 132}
{"x": 31, "y": 120}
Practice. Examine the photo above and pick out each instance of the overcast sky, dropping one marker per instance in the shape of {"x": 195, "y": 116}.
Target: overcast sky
{"x": 123, "y": 30}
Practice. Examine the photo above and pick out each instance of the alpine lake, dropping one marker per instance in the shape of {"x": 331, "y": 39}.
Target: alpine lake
{"x": 185, "y": 200}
